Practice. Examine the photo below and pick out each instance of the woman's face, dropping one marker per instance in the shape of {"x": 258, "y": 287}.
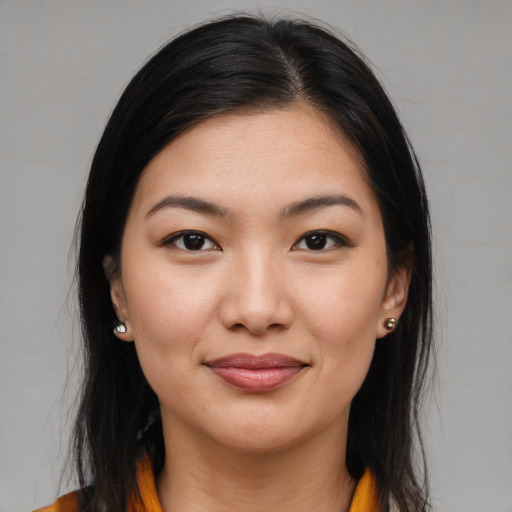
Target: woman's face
{"x": 254, "y": 279}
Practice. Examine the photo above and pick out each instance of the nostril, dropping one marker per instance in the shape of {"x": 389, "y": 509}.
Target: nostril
{"x": 238, "y": 326}
{"x": 256, "y": 329}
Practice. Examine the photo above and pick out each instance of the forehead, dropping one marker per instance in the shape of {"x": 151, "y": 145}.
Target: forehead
{"x": 240, "y": 157}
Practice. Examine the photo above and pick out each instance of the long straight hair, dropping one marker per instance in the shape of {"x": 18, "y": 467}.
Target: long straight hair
{"x": 236, "y": 64}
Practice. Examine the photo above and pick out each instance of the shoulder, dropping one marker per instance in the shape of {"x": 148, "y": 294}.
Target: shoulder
{"x": 66, "y": 503}
{"x": 145, "y": 491}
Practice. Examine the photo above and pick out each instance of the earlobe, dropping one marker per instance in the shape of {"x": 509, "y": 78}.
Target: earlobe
{"x": 122, "y": 328}
{"x": 122, "y": 331}
{"x": 394, "y": 301}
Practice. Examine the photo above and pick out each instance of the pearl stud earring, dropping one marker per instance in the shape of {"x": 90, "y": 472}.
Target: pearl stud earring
{"x": 120, "y": 328}
{"x": 389, "y": 323}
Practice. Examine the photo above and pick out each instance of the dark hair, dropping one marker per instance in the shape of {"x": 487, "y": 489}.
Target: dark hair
{"x": 245, "y": 63}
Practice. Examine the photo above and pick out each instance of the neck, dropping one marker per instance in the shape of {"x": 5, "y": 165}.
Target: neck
{"x": 201, "y": 475}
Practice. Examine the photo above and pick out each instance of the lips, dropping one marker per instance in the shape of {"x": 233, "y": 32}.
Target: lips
{"x": 256, "y": 373}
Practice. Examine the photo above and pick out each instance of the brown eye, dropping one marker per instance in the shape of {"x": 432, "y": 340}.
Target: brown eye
{"x": 316, "y": 242}
{"x": 319, "y": 240}
{"x": 192, "y": 241}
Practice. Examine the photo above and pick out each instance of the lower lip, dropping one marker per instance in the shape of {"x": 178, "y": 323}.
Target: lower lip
{"x": 256, "y": 380}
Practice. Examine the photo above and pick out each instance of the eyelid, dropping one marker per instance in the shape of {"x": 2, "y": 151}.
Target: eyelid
{"x": 340, "y": 240}
{"x": 170, "y": 239}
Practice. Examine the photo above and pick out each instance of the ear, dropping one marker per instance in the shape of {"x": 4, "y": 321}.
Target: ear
{"x": 117, "y": 296}
{"x": 395, "y": 297}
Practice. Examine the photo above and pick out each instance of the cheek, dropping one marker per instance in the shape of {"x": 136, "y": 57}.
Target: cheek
{"x": 169, "y": 314}
{"x": 347, "y": 304}
{"x": 342, "y": 313}
{"x": 168, "y": 310}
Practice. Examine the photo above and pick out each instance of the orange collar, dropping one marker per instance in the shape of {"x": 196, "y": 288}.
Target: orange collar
{"x": 366, "y": 498}
{"x": 366, "y": 495}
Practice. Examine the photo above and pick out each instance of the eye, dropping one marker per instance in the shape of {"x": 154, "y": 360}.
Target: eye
{"x": 319, "y": 241}
{"x": 191, "y": 241}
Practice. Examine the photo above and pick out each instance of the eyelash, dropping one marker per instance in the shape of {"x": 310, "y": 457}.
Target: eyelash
{"x": 337, "y": 241}
{"x": 177, "y": 236}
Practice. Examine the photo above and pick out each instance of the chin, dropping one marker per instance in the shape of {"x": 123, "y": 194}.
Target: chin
{"x": 248, "y": 434}
{"x": 259, "y": 443}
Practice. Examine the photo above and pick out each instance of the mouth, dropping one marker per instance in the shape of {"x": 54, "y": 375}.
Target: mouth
{"x": 255, "y": 374}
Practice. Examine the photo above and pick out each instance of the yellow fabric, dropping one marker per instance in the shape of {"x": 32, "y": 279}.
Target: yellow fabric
{"x": 365, "y": 497}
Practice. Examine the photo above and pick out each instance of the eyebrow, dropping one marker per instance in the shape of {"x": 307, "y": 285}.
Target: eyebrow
{"x": 315, "y": 203}
{"x": 189, "y": 203}
{"x": 295, "y": 209}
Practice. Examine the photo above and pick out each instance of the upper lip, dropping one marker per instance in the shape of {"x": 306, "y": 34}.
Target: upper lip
{"x": 254, "y": 362}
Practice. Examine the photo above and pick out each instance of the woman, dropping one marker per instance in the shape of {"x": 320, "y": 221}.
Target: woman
{"x": 255, "y": 230}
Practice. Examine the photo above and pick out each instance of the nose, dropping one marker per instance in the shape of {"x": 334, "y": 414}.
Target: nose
{"x": 255, "y": 298}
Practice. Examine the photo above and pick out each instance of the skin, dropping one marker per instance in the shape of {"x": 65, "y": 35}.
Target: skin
{"x": 256, "y": 287}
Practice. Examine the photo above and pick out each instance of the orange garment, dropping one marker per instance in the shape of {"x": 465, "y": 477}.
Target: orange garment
{"x": 365, "y": 497}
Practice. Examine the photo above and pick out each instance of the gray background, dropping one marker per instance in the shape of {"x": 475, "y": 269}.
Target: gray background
{"x": 448, "y": 67}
